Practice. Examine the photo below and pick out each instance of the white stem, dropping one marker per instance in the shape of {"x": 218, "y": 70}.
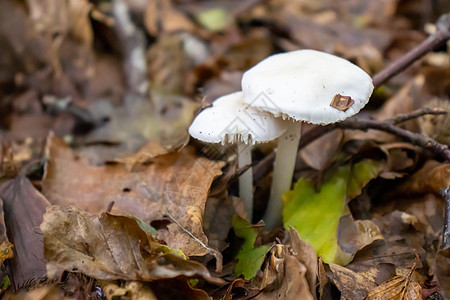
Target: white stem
{"x": 283, "y": 171}
{"x": 246, "y": 179}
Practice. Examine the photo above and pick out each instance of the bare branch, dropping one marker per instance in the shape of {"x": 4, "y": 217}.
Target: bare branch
{"x": 440, "y": 37}
{"x": 263, "y": 167}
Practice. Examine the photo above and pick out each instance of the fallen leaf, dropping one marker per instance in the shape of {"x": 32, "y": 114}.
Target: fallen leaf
{"x": 442, "y": 270}
{"x": 315, "y": 215}
{"x": 162, "y": 17}
{"x": 6, "y": 251}
{"x": 290, "y": 281}
{"x": 132, "y": 289}
{"x": 219, "y": 212}
{"x": 431, "y": 178}
{"x": 325, "y": 288}
{"x": 353, "y": 286}
{"x": 294, "y": 284}
{"x": 149, "y": 151}
{"x": 173, "y": 187}
{"x": 24, "y": 207}
{"x": 305, "y": 254}
{"x": 355, "y": 235}
{"x": 398, "y": 288}
{"x": 250, "y": 256}
{"x": 110, "y": 247}
{"x": 236, "y": 284}
{"x": 320, "y": 153}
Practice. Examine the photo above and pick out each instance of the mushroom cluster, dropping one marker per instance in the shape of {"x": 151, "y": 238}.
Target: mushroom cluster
{"x": 288, "y": 88}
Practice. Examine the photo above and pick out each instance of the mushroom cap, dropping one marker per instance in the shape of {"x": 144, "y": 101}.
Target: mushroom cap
{"x": 231, "y": 120}
{"x": 302, "y": 84}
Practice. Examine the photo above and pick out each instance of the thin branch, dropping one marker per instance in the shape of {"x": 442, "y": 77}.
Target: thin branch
{"x": 446, "y": 234}
{"x": 415, "y": 138}
{"x": 416, "y": 114}
{"x": 263, "y": 167}
{"x": 217, "y": 255}
{"x": 439, "y": 38}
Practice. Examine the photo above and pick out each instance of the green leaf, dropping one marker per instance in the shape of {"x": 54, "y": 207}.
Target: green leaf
{"x": 216, "y": 19}
{"x": 6, "y": 283}
{"x": 362, "y": 172}
{"x": 145, "y": 226}
{"x": 315, "y": 214}
{"x": 249, "y": 258}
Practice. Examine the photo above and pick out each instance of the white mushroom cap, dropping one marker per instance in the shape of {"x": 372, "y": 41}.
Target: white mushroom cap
{"x": 231, "y": 120}
{"x": 301, "y": 85}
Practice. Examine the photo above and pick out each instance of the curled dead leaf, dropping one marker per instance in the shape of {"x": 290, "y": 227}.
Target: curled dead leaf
{"x": 398, "y": 288}
{"x": 110, "y": 247}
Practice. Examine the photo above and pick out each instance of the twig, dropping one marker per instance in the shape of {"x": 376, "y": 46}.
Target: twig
{"x": 387, "y": 126}
{"x": 446, "y": 234}
{"x": 263, "y": 167}
{"x": 416, "y": 114}
{"x": 217, "y": 255}
{"x": 437, "y": 39}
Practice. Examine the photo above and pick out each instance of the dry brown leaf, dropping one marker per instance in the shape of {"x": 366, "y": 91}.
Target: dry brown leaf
{"x": 173, "y": 187}
{"x": 285, "y": 276}
{"x": 431, "y": 178}
{"x": 110, "y": 247}
{"x": 355, "y": 235}
{"x": 324, "y": 281}
{"x": 162, "y": 17}
{"x": 24, "y": 207}
{"x": 353, "y": 286}
{"x": 149, "y": 151}
{"x": 132, "y": 290}
{"x": 293, "y": 282}
{"x": 398, "y": 288}
{"x": 320, "y": 153}
{"x": 6, "y": 251}
{"x": 307, "y": 256}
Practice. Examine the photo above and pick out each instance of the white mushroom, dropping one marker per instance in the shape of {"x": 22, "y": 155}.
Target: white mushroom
{"x": 303, "y": 85}
{"x": 230, "y": 120}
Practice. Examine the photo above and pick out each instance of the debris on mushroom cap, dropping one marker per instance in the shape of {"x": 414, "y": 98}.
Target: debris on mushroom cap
{"x": 302, "y": 84}
{"x": 231, "y": 120}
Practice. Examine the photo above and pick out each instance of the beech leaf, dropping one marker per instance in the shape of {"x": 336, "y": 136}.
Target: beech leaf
{"x": 110, "y": 247}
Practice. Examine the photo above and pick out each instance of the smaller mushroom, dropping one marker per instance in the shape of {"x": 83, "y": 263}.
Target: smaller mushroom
{"x": 230, "y": 120}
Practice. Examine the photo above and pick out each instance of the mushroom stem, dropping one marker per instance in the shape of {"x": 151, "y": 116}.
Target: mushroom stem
{"x": 246, "y": 179}
{"x": 283, "y": 172}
